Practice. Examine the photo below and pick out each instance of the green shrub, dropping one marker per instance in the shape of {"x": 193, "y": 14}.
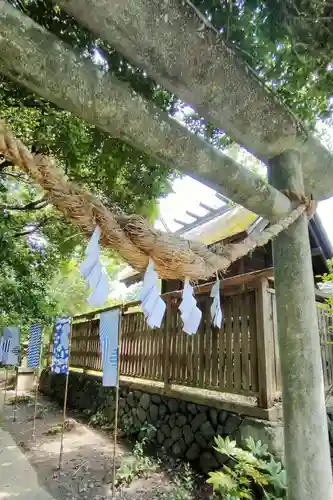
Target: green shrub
{"x": 252, "y": 474}
{"x": 182, "y": 486}
{"x": 136, "y": 465}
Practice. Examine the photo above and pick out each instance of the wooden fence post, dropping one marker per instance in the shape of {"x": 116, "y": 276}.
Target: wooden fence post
{"x": 166, "y": 347}
{"x": 264, "y": 345}
{"x": 86, "y": 351}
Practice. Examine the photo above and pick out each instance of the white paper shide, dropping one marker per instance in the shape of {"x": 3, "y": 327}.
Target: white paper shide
{"x": 152, "y": 305}
{"x": 215, "y": 310}
{"x": 190, "y": 313}
{"x": 92, "y": 271}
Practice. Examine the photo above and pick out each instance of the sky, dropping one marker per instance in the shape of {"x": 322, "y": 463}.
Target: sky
{"x": 188, "y": 193}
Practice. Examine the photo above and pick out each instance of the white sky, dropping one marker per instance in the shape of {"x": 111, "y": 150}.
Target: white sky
{"x": 325, "y": 211}
{"x": 188, "y": 193}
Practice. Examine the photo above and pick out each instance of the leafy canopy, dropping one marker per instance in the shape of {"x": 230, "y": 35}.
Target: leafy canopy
{"x": 288, "y": 44}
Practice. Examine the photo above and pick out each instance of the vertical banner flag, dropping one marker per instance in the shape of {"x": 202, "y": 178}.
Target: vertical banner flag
{"x": 109, "y": 337}
{"x": 61, "y": 345}
{"x": 34, "y": 346}
{"x": 10, "y": 346}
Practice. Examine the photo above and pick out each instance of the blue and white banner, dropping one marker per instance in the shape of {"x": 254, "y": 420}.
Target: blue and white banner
{"x": 34, "y": 346}
{"x": 60, "y": 353}
{"x": 10, "y": 346}
{"x": 109, "y": 336}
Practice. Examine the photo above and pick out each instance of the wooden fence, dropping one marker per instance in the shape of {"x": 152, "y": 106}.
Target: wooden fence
{"x": 240, "y": 358}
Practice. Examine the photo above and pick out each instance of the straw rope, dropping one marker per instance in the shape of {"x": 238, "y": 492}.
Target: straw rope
{"x": 132, "y": 236}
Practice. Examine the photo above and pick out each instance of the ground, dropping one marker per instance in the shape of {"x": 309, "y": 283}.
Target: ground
{"x": 86, "y": 471}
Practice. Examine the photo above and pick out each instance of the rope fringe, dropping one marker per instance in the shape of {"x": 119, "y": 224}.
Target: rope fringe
{"x": 132, "y": 236}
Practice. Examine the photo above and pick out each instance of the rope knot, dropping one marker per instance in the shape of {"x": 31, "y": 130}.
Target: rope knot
{"x": 309, "y": 203}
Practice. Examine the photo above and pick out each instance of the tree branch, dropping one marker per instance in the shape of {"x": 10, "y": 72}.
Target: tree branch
{"x": 3, "y": 164}
{"x": 35, "y": 58}
{"x": 33, "y": 205}
{"x": 35, "y": 228}
{"x": 18, "y": 177}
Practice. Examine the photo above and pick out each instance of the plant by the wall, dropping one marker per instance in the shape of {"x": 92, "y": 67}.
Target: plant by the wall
{"x": 253, "y": 473}
{"x": 183, "y": 486}
{"x": 100, "y": 419}
{"x": 136, "y": 465}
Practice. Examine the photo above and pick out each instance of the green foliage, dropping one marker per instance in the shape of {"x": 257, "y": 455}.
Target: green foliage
{"x": 327, "y": 279}
{"x": 39, "y": 249}
{"x": 287, "y": 44}
{"x": 254, "y": 473}
{"x": 183, "y": 485}
{"x": 99, "y": 419}
{"x": 20, "y": 399}
{"x": 136, "y": 465}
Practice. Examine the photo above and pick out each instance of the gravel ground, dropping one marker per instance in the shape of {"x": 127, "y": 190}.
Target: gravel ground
{"x": 86, "y": 471}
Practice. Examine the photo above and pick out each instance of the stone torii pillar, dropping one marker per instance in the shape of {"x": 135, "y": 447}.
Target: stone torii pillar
{"x": 307, "y": 453}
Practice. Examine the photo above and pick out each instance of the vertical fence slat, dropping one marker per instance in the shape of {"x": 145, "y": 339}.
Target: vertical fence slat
{"x": 222, "y": 350}
{"x": 245, "y": 378}
{"x": 229, "y": 342}
{"x": 166, "y": 343}
{"x": 215, "y": 357}
{"x": 237, "y": 341}
{"x": 208, "y": 343}
{"x": 253, "y": 343}
{"x": 201, "y": 334}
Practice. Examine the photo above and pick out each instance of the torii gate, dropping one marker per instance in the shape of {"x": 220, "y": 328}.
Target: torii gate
{"x": 162, "y": 37}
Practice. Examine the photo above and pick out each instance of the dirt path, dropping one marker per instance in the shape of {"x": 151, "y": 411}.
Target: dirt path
{"x": 87, "y": 460}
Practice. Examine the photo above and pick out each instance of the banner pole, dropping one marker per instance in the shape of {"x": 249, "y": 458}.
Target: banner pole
{"x": 36, "y": 389}
{"x": 116, "y": 411}
{"x": 5, "y": 391}
{"x": 64, "y": 413}
{"x": 16, "y": 389}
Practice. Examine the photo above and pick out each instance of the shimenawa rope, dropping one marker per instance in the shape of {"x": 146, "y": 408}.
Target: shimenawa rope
{"x": 132, "y": 236}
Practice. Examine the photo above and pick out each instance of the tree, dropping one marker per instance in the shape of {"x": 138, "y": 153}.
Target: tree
{"x": 287, "y": 43}
{"x": 38, "y": 245}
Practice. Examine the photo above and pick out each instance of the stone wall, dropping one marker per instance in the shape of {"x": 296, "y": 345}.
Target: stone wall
{"x": 185, "y": 430}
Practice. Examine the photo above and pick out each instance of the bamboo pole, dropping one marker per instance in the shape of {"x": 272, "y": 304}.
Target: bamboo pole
{"x": 307, "y": 455}
{"x": 36, "y": 389}
{"x": 64, "y": 413}
{"x": 16, "y": 389}
{"x": 115, "y": 436}
{"x": 5, "y": 391}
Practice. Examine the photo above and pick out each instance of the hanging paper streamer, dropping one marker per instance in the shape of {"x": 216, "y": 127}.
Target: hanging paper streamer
{"x": 190, "y": 313}
{"x": 60, "y": 353}
{"x": 91, "y": 270}
{"x": 151, "y": 303}
{"x": 10, "y": 346}
{"x": 34, "y": 346}
{"x": 215, "y": 310}
{"x": 109, "y": 338}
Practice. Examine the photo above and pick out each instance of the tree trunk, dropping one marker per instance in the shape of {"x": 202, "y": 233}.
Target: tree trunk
{"x": 166, "y": 40}
{"x": 305, "y": 421}
{"x": 38, "y": 60}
